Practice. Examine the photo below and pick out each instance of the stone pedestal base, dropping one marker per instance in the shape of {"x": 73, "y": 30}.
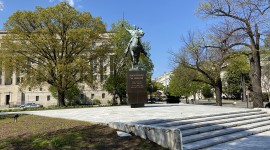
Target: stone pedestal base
{"x": 136, "y": 88}
{"x": 136, "y": 105}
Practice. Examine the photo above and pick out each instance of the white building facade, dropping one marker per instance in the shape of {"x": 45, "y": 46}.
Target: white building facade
{"x": 12, "y": 94}
{"x": 165, "y": 78}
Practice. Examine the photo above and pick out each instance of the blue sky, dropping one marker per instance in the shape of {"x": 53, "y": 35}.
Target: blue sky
{"x": 164, "y": 22}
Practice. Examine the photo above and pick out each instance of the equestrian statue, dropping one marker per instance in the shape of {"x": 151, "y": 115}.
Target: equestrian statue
{"x": 135, "y": 46}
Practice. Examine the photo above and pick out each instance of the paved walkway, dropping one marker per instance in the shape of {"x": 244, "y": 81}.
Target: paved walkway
{"x": 126, "y": 114}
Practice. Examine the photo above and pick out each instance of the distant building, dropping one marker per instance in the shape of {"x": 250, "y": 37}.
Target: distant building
{"x": 265, "y": 80}
{"x": 165, "y": 78}
{"x": 11, "y": 94}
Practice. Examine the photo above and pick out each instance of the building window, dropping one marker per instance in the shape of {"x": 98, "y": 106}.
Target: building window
{"x": 48, "y": 97}
{"x": 101, "y": 78}
{"x": 18, "y": 80}
{"x": 82, "y": 96}
{"x": 92, "y": 96}
{"x": 37, "y": 98}
{"x": 40, "y": 89}
{"x": 8, "y": 81}
{"x": 105, "y": 77}
{"x": 103, "y": 95}
{"x": 30, "y": 89}
{"x": 105, "y": 69}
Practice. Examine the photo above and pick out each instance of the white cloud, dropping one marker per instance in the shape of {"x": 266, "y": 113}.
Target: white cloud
{"x": 1, "y": 6}
{"x": 71, "y": 2}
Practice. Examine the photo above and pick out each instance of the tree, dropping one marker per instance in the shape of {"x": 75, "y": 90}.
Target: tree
{"x": 182, "y": 84}
{"x": 54, "y": 45}
{"x": 236, "y": 77}
{"x": 207, "y": 91}
{"x": 248, "y": 17}
{"x": 207, "y": 55}
{"x": 156, "y": 86}
{"x": 70, "y": 95}
{"x": 116, "y": 83}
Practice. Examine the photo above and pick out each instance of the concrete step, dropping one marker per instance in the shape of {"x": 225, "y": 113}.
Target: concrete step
{"x": 203, "y": 129}
{"x": 225, "y": 138}
{"x": 216, "y": 133}
{"x": 215, "y": 122}
{"x": 205, "y": 119}
{"x": 203, "y": 123}
{"x": 158, "y": 121}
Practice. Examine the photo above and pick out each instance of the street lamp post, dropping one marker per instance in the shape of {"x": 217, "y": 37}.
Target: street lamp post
{"x": 151, "y": 91}
{"x": 247, "y": 97}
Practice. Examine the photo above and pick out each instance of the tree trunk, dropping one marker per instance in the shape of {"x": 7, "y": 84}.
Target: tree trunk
{"x": 268, "y": 96}
{"x": 194, "y": 97}
{"x": 255, "y": 75}
{"x": 61, "y": 98}
{"x": 121, "y": 99}
{"x": 114, "y": 99}
{"x": 218, "y": 91}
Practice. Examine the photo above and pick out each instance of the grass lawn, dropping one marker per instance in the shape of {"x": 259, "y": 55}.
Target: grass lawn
{"x": 35, "y": 132}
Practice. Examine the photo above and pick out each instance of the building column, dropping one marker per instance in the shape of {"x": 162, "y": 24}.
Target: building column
{"x": 14, "y": 79}
{"x": 1, "y": 99}
{"x": 3, "y": 79}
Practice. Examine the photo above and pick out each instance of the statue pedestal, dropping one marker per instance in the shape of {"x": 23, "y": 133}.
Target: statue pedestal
{"x": 136, "y": 88}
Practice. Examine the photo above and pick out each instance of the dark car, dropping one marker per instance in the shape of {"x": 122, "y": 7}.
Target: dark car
{"x": 31, "y": 105}
{"x": 173, "y": 99}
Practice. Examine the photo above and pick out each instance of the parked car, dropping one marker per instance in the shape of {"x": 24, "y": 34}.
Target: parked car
{"x": 31, "y": 105}
{"x": 173, "y": 99}
{"x": 267, "y": 105}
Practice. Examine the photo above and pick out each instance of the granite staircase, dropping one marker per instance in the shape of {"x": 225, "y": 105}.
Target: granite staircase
{"x": 201, "y": 132}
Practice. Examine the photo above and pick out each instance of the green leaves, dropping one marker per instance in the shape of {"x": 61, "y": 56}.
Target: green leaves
{"x": 54, "y": 45}
{"x": 182, "y": 83}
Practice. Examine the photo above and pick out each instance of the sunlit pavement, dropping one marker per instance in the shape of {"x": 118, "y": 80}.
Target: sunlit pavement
{"x": 105, "y": 115}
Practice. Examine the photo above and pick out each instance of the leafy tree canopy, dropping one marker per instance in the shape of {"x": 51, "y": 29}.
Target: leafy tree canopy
{"x": 53, "y": 45}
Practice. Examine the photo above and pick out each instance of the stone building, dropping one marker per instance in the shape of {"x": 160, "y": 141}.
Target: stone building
{"x": 265, "y": 61}
{"x": 164, "y": 79}
{"x": 12, "y": 94}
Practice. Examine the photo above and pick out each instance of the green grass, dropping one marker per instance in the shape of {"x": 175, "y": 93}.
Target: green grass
{"x": 34, "y": 132}
{"x": 52, "y": 108}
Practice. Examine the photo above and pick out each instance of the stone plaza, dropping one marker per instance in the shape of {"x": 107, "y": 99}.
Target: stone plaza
{"x": 197, "y": 126}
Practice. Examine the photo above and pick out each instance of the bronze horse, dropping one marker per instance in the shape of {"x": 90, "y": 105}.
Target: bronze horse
{"x": 135, "y": 46}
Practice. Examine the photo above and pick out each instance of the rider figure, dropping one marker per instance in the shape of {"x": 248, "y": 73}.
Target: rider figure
{"x": 136, "y": 34}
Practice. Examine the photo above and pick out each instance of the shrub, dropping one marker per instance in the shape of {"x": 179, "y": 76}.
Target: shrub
{"x": 109, "y": 102}
{"x": 265, "y": 97}
{"x": 96, "y": 102}
{"x": 206, "y": 92}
